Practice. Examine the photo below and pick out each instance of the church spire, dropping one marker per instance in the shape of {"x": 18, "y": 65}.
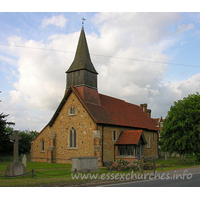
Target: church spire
{"x": 82, "y": 71}
{"x": 82, "y": 58}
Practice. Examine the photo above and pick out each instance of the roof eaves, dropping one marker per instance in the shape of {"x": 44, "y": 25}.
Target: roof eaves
{"x": 39, "y": 133}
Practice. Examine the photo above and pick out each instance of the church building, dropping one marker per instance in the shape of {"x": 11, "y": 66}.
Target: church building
{"x": 87, "y": 123}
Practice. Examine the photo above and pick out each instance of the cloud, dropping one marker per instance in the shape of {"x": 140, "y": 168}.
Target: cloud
{"x": 196, "y": 34}
{"x": 183, "y": 42}
{"x": 10, "y": 61}
{"x": 58, "y": 20}
{"x": 182, "y": 28}
{"x": 39, "y": 75}
{"x": 173, "y": 91}
{"x": 138, "y": 36}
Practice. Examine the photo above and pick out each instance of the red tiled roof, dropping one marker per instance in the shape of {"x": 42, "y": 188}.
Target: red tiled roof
{"x": 88, "y": 95}
{"x": 114, "y": 111}
{"x": 129, "y": 137}
{"x": 108, "y": 110}
{"x": 126, "y": 114}
{"x": 155, "y": 121}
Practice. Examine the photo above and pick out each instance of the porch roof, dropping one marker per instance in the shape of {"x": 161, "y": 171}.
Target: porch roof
{"x": 130, "y": 137}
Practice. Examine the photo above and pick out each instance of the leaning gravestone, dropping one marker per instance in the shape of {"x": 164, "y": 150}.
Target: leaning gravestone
{"x": 16, "y": 168}
{"x": 24, "y": 159}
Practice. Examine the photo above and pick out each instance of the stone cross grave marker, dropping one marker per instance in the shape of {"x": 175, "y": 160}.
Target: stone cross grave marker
{"x": 16, "y": 138}
{"x": 24, "y": 159}
{"x": 16, "y": 168}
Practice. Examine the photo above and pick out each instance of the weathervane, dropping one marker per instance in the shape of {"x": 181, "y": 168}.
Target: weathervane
{"x": 83, "y": 19}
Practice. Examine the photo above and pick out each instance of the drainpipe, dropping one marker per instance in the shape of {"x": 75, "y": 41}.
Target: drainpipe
{"x": 102, "y": 147}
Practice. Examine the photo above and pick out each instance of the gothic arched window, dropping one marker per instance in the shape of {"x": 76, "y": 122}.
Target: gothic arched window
{"x": 72, "y": 138}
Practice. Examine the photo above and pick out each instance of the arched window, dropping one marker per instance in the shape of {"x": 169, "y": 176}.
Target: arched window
{"x": 72, "y": 137}
{"x": 42, "y": 145}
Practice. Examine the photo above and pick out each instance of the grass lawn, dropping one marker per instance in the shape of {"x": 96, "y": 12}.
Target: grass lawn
{"x": 173, "y": 163}
{"x": 52, "y": 174}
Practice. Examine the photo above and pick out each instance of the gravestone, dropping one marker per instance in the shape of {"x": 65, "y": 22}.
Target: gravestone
{"x": 16, "y": 168}
{"x": 85, "y": 164}
{"x": 24, "y": 159}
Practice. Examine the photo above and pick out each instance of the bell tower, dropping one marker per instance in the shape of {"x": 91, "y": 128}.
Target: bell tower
{"x": 82, "y": 72}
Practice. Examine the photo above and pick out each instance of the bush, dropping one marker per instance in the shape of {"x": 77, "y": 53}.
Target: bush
{"x": 147, "y": 166}
{"x": 123, "y": 165}
{"x": 126, "y": 165}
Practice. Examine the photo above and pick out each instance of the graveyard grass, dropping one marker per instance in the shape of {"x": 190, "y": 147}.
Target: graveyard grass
{"x": 52, "y": 174}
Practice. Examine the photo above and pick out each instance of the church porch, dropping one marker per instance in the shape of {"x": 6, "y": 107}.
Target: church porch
{"x": 129, "y": 145}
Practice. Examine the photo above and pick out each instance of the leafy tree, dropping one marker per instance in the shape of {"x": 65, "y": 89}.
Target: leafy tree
{"x": 5, "y": 133}
{"x": 25, "y": 142}
{"x": 181, "y": 127}
{"x": 33, "y": 134}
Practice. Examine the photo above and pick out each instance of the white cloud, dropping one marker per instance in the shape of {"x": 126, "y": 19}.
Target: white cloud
{"x": 10, "y": 61}
{"x": 196, "y": 34}
{"x": 57, "y": 20}
{"x": 173, "y": 91}
{"x": 183, "y": 28}
{"x": 183, "y": 42}
{"x": 38, "y": 76}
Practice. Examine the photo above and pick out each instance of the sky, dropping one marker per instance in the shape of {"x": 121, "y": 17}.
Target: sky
{"x": 141, "y": 57}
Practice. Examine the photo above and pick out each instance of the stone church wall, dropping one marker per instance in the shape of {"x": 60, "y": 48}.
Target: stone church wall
{"x": 151, "y": 150}
{"x": 59, "y": 151}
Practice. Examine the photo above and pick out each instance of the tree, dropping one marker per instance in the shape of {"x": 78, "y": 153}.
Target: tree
{"x": 25, "y": 142}
{"x": 181, "y": 127}
{"x": 5, "y": 133}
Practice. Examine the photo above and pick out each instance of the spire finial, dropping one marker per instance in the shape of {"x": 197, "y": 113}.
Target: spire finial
{"x": 83, "y": 19}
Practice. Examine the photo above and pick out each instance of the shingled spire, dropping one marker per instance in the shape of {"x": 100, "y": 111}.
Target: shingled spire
{"x": 82, "y": 71}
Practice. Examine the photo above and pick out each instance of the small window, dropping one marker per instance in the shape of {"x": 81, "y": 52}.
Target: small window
{"x": 114, "y": 135}
{"x": 153, "y": 137}
{"x": 72, "y": 110}
{"x": 72, "y": 138}
{"x": 42, "y": 145}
